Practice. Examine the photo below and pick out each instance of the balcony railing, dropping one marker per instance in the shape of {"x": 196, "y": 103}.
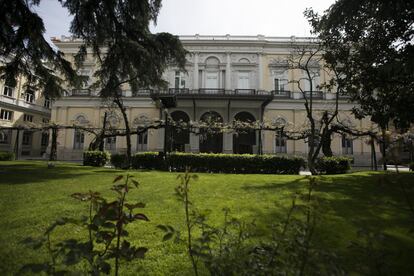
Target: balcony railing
{"x": 314, "y": 94}
{"x": 245, "y": 91}
{"x": 212, "y": 91}
{"x": 142, "y": 92}
{"x": 178, "y": 91}
{"x": 281, "y": 94}
{"x": 81, "y": 92}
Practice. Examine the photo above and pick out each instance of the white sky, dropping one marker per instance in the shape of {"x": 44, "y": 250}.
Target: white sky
{"x": 211, "y": 17}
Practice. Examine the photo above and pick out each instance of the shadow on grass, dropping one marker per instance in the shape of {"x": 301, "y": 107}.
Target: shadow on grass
{"x": 18, "y": 173}
{"x": 349, "y": 203}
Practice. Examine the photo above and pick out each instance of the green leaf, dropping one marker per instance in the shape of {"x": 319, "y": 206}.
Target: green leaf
{"x": 136, "y": 183}
{"x": 167, "y": 236}
{"x": 140, "y": 252}
{"x": 141, "y": 217}
{"x": 162, "y": 227}
{"x": 119, "y": 177}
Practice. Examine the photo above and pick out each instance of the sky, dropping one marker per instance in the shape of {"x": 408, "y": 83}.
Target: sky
{"x": 211, "y": 17}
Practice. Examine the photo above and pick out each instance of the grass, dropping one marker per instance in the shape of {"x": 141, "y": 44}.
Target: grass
{"x": 32, "y": 196}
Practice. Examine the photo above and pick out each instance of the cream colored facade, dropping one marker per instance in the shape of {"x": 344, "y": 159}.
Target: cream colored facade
{"x": 22, "y": 108}
{"x": 226, "y": 75}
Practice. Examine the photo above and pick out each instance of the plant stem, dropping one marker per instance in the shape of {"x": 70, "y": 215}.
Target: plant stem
{"x": 188, "y": 222}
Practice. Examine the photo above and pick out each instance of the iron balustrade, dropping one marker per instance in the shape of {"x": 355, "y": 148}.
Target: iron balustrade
{"x": 281, "y": 94}
{"x": 81, "y": 92}
{"x": 314, "y": 94}
{"x": 245, "y": 91}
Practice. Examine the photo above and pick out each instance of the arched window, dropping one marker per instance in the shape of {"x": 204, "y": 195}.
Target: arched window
{"x": 211, "y": 138}
{"x": 141, "y": 123}
{"x": 280, "y": 137}
{"x": 78, "y": 140}
{"x": 244, "y": 139}
{"x": 179, "y": 135}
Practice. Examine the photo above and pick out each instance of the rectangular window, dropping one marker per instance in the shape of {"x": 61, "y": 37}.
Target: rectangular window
{"x": 280, "y": 146}
{"x": 110, "y": 143}
{"x": 5, "y": 137}
{"x": 281, "y": 85}
{"x": 28, "y": 118}
{"x": 244, "y": 80}
{"x": 79, "y": 139}
{"x": 27, "y": 138}
{"x": 142, "y": 141}
{"x": 179, "y": 81}
{"x": 347, "y": 145}
{"x": 29, "y": 96}
{"x": 8, "y": 91}
{"x": 6, "y": 115}
{"x": 45, "y": 139}
{"x": 47, "y": 103}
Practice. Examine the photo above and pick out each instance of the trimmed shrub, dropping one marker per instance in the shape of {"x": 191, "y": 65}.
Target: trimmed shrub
{"x": 6, "y": 156}
{"x": 119, "y": 161}
{"x": 96, "y": 158}
{"x": 148, "y": 160}
{"x": 219, "y": 163}
{"x": 333, "y": 165}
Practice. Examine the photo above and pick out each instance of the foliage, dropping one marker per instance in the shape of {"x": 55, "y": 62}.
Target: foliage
{"x": 411, "y": 166}
{"x": 119, "y": 161}
{"x": 373, "y": 42}
{"x": 6, "y": 156}
{"x": 224, "y": 163}
{"x": 105, "y": 229}
{"x": 333, "y": 165}
{"x": 25, "y": 52}
{"x": 96, "y": 158}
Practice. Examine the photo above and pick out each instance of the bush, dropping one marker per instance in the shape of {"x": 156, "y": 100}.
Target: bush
{"x": 119, "y": 161}
{"x": 96, "y": 158}
{"x": 219, "y": 163}
{"x": 333, "y": 165}
{"x": 6, "y": 156}
{"x": 411, "y": 166}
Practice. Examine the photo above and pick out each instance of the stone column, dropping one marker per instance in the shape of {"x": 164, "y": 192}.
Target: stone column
{"x": 194, "y": 143}
{"x": 260, "y": 71}
{"x": 195, "y": 75}
{"x": 228, "y": 72}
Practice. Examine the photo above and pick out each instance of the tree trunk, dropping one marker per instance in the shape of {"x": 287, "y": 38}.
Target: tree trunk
{"x": 384, "y": 148}
{"x": 16, "y": 145}
{"x": 127, "y": 131}
{"x": 102, "y": 136}
{"x": 53, "y": 147}
{"x": 374, "y": 155}
{"x": 326, "y": 141}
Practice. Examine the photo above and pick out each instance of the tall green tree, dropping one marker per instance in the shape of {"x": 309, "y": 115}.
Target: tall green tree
{"x": 373, "y": 42}
{"x": 117, "y": 34}
{"x": 24, "y": 51}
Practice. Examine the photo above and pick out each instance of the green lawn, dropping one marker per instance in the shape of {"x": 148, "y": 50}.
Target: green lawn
{"x": 32, "y": 196}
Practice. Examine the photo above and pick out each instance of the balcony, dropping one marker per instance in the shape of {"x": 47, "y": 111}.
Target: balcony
{"x": 211, "y": 91}
{"x": 281, "y": 94}
{"x": 245, "y": 92}
{"x": 81, "y": 93}
{"x": 142, "y": 92}
{"x": 316, "y": 95}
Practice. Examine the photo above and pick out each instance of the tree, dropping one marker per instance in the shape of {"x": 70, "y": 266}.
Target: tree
{"x": 373, "y": 42}
{"x": 309, "y": 60}
{"x": 115, "y": 32}
{"x": 25, "y": 52}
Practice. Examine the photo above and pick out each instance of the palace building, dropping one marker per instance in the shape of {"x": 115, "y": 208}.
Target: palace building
{"x": 228, "y": 78}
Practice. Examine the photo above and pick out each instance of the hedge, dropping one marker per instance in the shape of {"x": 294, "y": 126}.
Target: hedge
{"x": 96, "y": 158}
{"x": 219, "y": 163}
{"x": 333, "y": 165}
{"x": 6, "y": 156}
{"x": 411, "y": 166}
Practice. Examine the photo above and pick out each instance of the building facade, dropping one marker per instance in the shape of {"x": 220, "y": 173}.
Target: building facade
{"x": 23, "y": 108}
{"x": 228, "y": 78}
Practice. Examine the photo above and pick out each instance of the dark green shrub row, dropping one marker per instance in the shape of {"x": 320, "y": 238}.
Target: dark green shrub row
{"x": 6, "y": 156}
{"x": 96, "y": 158}
{"x": 219, "y": 163}
{"x": 333, "y": 165}
{"x": 411, "y": 166}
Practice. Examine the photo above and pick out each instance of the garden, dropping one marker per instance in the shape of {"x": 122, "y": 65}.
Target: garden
{"x": 355, "y": 223}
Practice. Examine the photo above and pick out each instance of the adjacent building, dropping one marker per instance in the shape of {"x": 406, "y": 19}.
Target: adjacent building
{"x": 23, "y": 108}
